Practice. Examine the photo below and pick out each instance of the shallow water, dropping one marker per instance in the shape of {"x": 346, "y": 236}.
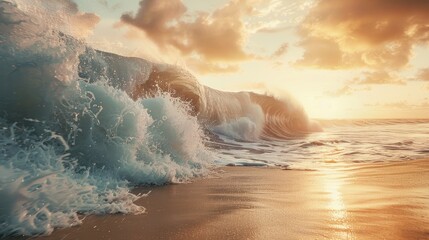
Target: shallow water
{"x": 372, "y": 201}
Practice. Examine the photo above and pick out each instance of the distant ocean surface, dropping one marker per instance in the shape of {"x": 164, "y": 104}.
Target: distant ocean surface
{"x": 342, "y": 143}
{"x": 80, "y": 127}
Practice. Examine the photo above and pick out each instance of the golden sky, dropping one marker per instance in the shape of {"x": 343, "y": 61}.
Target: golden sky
{"x": 339, "y": 58}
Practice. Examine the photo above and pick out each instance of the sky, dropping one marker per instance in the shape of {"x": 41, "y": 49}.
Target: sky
{"x": 338, "y": 58}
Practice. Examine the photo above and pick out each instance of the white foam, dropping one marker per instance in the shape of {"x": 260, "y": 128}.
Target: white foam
{"x": 69, "y": 146}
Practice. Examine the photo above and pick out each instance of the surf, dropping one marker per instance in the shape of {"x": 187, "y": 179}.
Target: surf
{"x": 80, "y": 127}
{"x": 70, "y": 146}
{"x": 240, "y": 115}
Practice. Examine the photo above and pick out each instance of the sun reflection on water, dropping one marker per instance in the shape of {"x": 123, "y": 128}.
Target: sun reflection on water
{"x": 339, "y": 220}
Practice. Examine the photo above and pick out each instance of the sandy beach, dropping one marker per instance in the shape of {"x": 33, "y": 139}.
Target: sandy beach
{"x": 370, "y": 201}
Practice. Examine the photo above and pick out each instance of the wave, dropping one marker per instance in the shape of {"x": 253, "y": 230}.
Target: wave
{"x": 240, "y": 115}
{"x": 79, "y": 127}
{"x": 71, "y": 146}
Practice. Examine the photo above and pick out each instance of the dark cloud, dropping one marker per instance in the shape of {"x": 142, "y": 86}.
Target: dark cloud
{"x": 366, "y": 33}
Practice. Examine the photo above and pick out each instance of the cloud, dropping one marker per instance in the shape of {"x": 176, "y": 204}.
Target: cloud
{"x": 369, "y": 33}
{"x": 321, "y": 53}
{"x": 364, "y": 82}
{"x": 422, "y": 75}
{"x": 278, "y": 15}
{"x": 65, "y": 15}
{"x": 378, "y": 77}
{"x": 343, "y": 91}
{"x": 271, "y": 29}
{"x": 84, "y": 24}
{"x": 103, "y": 2}
{"x": 155, "y": 17}
{"x": 280, "y": 51}
{"x": 398, "y": 104}
{"x": 348, "y": 89}
{"x": 106, "y": 4}
{"x": 214, "y": 37}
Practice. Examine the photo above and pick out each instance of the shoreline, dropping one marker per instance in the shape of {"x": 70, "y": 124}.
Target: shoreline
{"x": 370, "y": 201}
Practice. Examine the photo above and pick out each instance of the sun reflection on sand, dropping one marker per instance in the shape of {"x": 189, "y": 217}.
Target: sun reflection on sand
{"x": 338, "y": 211}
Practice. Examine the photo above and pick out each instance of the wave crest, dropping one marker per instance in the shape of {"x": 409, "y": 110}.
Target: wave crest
{"x": 70, "y": 145}
{"x": 242, "y": 115}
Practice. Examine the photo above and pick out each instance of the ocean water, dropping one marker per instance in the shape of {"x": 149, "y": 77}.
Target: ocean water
{"x": 342, "y": 143}
{"x": 79, "y": 128}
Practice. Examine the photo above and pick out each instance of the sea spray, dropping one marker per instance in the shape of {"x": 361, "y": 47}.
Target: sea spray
{"x": 79, "y": 126}
{"x": 42, "y": 188}
{"x": 71, "y": 146}
{"x": 105, "y": 150}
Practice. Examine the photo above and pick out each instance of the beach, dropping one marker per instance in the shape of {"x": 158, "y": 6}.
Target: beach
{"x": 367, "y": 201}
{"x": 230, "y": 119}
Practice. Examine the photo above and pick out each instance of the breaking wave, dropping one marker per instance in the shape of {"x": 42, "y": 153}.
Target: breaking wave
{"x": 240, "y": 115}
{"x": 79, "y": 127}
{"x": 69, "y": 146}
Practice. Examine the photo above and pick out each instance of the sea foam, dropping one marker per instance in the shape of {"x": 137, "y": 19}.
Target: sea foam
{"x": 80, "y": 127}
{"x": 70, "y": 146}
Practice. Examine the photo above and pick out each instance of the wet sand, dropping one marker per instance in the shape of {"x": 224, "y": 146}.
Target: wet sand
{"x": 385, "y": 201}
